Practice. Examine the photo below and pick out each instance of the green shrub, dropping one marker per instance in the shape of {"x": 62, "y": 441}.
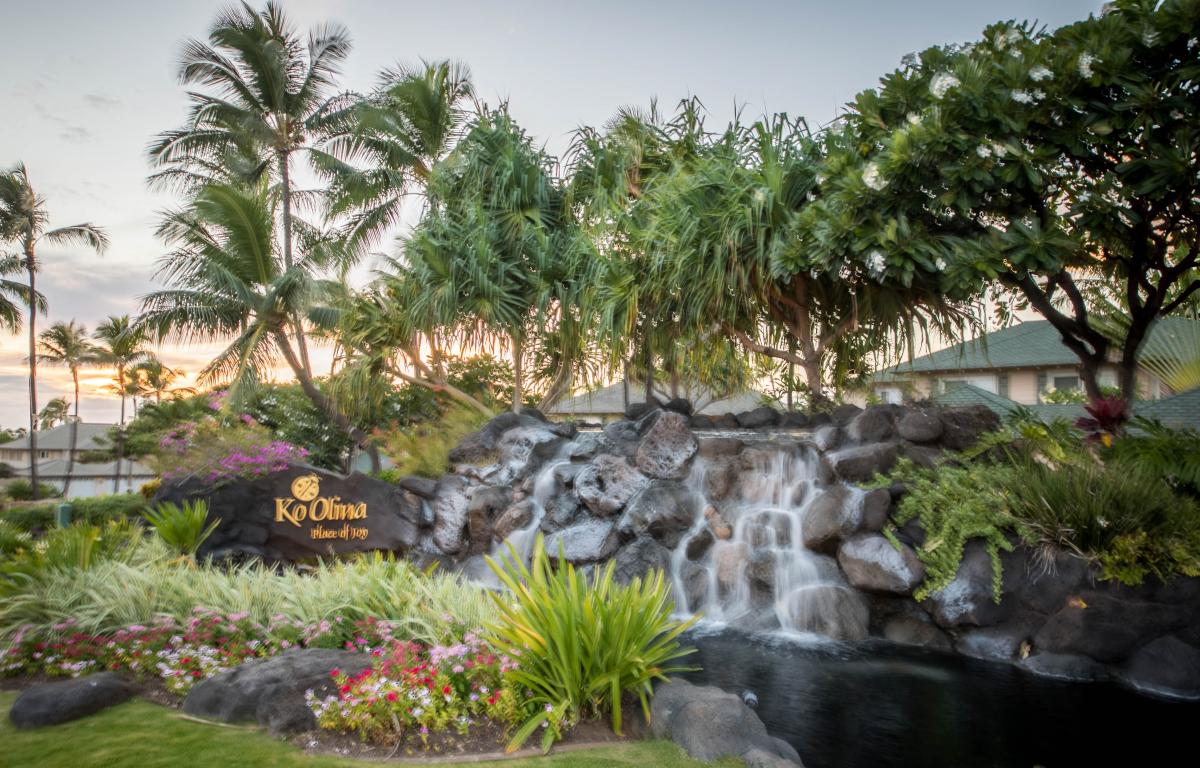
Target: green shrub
{"x": 955, "y": 504}
{"x": 13, "y": 540}
{"x": 424, "y": 449}
{"x": 22, "y": 490}
{"x": 92, "y": 510}
{"x": 76, "y": 548}
{"x": 582, "y": 643}
{"x": 1174, "y": 454}
{"x": 183, "y": 529}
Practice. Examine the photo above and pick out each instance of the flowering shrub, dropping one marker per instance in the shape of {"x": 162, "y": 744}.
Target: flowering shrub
{"x": 413, "y": 690}
{"x": 218, "y": 451}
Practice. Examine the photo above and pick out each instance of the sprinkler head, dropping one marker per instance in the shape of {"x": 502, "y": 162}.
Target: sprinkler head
{"x": 749, "y": 699}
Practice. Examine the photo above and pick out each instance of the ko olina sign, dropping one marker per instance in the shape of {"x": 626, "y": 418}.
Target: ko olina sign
{"x": 326, "y": 517}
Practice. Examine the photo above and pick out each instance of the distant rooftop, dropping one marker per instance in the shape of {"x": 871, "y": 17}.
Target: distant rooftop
{"x": 611, "y": 400}
{"x": 56, "y": 469}
{"x": 59, "y": 438}
{"x": 1030, "y": 344}
{"x": 1180, "y": 411}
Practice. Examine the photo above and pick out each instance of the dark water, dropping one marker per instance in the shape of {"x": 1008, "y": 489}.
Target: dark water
{"x": 879, "y": 704}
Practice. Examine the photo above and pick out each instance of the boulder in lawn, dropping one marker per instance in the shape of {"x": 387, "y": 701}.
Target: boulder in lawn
{"x": 65, "y": 700}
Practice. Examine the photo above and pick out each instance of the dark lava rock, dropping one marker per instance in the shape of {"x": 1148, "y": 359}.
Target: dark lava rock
{"x": 860, "y": 464}
{"x": 709, "y": 724}
{"x": 1108, "y": 627}
{"x": 911, "y": 630}
{"x": 963, "y": 426}
{"x": 701, "y": 421}
{"x": 872, "y": 563}
{"x": 1165, "y": 667}
{"x": 333, "y": 514}
{"x": 450, "y": 514}
{"x": 794, "y": 420}
{"x": 763, "y": 416}
{"x": 1066, "y": 666}
{"x": 667, "y": 448}
{"x": 925, "y": 456}
{"x": 1002, "y": 643}
{"x": 843, "y": 414}
{"x": 271, "y": 691}
{"x": 699, "y": 544}
{"x": 664, "y": 511}
{"x": 831, "y": 516}
{"x": 586, "y": 542}
{"x": 607, "y": 484}
{"x": 679, "y": 405}
{"x": 425, "y": 487}
{"x": 639, "y": 557}
{"x": 621, "y": 438}
{"x": 919, "y": 426}
{"x": 64, "y": 700}
{"x": 873, "y": 425}
{"x": 827, "y": 437}
{"x": 876, "y": 507}
{"x": 968, "y": 599}
{"x": 636, "y": 411}
{"x": 483, "y": 445}
{"x": 516, "y": 517}
{"x": 712, "y": 447}
{"x": 485, "y": 505}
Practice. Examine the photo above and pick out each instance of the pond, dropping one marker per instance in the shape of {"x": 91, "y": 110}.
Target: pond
{"x": 880, "y": 704}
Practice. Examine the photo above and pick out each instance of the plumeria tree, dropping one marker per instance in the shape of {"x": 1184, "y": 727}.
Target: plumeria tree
{"x": 1039, "y": 160}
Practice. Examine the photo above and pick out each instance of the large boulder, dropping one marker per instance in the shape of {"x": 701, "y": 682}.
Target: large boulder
{"x": 485, "y": 505}
{"x": 963, "y": 426}
{"x": 271, "y": 691}
{"x": 514, "y": 518}
{"x": 64, "y": 700}
{"x": 919, "y": 426}
{"x": 763, "y": 416}
{"x": 679, "y": 405}
{"x": 829, "y": 609}
{"x": 586, "y": 542}
{"x": 667, "y": 448}
{"x": 710, "y": 724}
{"x": 969, "y": 599}
{"x": 873, "y": 425}
{"x": 844, "y": 414}
{"x": 876, "y": 507}
{"x": 1108, "y": 626}
{"x": 302, "y": 512}
{"x": 872, "y": 563}
{"x": 640, "y": 557}
{"x": 483, "y": 445}
{"x": 861, "y": 463}
{"x": 607, "y": 484}
{"x": 664, "y": 511}
{"x": 1068, "y": 667}
{"x": 831, "y": 516}
{"x": 1165, "y": 667}
{"x": 450, "y": 503}
{"x": 912, "y": 630}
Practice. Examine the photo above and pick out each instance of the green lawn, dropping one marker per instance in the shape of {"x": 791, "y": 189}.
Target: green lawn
{"x": 139, "y": 734}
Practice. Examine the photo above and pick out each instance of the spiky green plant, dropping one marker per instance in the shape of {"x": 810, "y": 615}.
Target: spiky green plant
{"x": 182, "y": 528}
{"x": 582, "y": 643}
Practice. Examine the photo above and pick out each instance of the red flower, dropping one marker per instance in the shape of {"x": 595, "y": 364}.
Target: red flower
{"x": 445, "y": 690}
{"x": 335, "y": 672}
{"x": 186, "y": 660}
{"x": 345, "y": 689}
{"x": 391, "y": 696}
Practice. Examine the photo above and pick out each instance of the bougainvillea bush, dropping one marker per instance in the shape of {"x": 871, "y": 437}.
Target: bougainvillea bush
{"x": 218, "y": 450}
{"x": 414, "y": 690}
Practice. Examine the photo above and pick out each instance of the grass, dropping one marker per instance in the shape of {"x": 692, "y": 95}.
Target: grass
{"x": 139, "y": 734}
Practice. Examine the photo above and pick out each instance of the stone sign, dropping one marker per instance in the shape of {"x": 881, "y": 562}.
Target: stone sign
{"x": 302, "y": 513}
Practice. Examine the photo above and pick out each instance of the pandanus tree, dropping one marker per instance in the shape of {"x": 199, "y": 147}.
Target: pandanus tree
{"x": 258, "y": 100}
{"x": 227, "y": 281}
{"x": 1042, "y": 160}
{"x": 23, "y": 223}
{"x": 67, "y": 344}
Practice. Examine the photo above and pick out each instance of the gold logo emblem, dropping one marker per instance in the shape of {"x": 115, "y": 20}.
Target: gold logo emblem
{"x": 306, "y": 487}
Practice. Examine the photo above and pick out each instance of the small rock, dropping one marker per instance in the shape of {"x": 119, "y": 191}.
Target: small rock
{"x": 586, "y": 542}
{"x": 763, "y": 416}
{"x": 607, "y": 484}
{"x": 679, "y": 405}
{"x": 699, "y": 544}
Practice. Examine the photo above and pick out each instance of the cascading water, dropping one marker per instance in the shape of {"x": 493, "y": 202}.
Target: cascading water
{"x": 744, "y": 560}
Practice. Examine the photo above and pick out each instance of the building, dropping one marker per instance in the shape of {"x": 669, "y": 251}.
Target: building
{"x": 1020, "y": 364}
{"x": 54, "y": 449}
{"x": 609, "y": 403}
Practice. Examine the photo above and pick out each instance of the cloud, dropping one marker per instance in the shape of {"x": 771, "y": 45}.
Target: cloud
{"x": 101, "y": 102}
{"x": 75, "y": 133}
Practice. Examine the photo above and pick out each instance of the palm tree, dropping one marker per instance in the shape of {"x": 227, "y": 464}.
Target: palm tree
{"x": 122, "y": 344}
{"x": 384, "y": 146}
{"x": 56, "y": 412}
{"x": 264, "y": 92}
{"x": 225, "y": 281}
{"x": 153, "y": 379}
{"x": 67, "y": 344}
{"x": 23, "y": 220}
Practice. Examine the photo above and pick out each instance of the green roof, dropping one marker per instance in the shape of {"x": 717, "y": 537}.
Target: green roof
{"x": 1178, "y": 411}
{"x": 969, "y": 394}
{"x": 1030, "y": 344}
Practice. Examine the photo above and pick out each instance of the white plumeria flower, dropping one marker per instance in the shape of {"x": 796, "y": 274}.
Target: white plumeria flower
{"x": 940, "y": 264}
{"x": 1022, "y": 97}
{"x": 913, "y": 118}
{"x": 1038, "y": 74}
{"x": 984, "y": 152}
{"x": 941, "y": 83}
{"x": 873, "y": 178}
{"x": 876, "y": 263}
{"x": 1086, "y": 60}
{"x": 998, "y": 149}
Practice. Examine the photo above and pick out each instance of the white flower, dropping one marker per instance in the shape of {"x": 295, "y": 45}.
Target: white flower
{"x": 940, "y": 263}
{"x": 872, "y": 178}
{"x": 998, "y": 149}
{"x": 942, "y": 82}
{"x": 1192, "y": 42}
{"x": 984, "y": 152}
{"x": 759, "y": 196}
{"x": 1022, "y": 97}
{"x": 876, "y": 263}
{"x": 1149, "y": 38}
{"x": 1038, "y": 94}
{"x": 1038, "y": 74}
{"x": 913, "y": 118}
{"x": 1086, "y": 60}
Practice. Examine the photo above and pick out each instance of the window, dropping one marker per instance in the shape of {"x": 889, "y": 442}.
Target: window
{"x": 949, "y": 385}
{"x": 1002, "y": 380}
{"x": 1066, "y": 383}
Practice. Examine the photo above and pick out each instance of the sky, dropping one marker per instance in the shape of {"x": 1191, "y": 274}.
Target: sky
{"x": 85, "y": 86}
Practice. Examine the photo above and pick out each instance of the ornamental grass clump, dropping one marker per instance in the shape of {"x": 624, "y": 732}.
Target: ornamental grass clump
{"x": 582, "y": 643}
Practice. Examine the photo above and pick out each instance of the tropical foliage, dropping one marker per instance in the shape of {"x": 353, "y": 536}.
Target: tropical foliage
{"x": 184, "y": 527}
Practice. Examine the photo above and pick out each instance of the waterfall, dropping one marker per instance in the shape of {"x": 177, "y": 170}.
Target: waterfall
{"x": 744, "y": 561}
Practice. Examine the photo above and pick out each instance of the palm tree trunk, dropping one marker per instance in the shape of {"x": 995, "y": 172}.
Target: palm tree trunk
{"x": 286, "y": 192}
{"x": 121, "y": 385}
{"x": 74, "y": 435}
{"x": 516, "y": 358}
{"x": 315, "y": 395}
{"x": 31, "y": 267}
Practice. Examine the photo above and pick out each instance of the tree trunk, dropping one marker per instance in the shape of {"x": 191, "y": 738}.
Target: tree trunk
{"x": 310, "y": 388}
{"x": 74, "y": 435}
{"x": 812, "y": 375}
{"x": 31, "y": 267}
{"x": 516, "y": 359}
{"x": 286, "y": 192}
{"x": 121, "y": 386}
{"x": 120, "y": 455}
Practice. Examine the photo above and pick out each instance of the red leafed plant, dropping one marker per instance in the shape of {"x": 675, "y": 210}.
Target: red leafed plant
{"x": 1106, "y": 418}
